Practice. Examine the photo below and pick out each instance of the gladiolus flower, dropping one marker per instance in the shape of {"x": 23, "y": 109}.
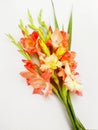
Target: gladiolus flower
{"x": 29, "y": 43}
{"x": 40, "y": 85}
{"x": 56, "y": 38}
{"x": 59, "y": 38}
{"x": 46, "y": 75}
{"x": 50, "y": 62}
{"x": 30, "y": 66}
{"x": 69, "y": 57}
{"x": 71, "y": 82}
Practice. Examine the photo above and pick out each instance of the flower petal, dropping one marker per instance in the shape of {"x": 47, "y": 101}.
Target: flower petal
{"x": 29, "y": 43}
{"x": 51, "y": 62}
{"x": 29, "y": 65}
{"x": 56, "y": 38}
{"x": 71, "y": 81}
{"x": 46, "y": 75}
{"x": 37, "y": 82}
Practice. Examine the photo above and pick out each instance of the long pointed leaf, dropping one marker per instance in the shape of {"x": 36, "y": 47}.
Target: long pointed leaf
{"x": 55, "y": 18}
{"x": 70, "y": 31}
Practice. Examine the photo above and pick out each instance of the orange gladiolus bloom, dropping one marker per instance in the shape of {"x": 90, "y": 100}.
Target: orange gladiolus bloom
{"x": 40, "y": 83}
{"x": 29, "y": 65}
{"x": 29, "y": 43}
{"x": 69, "y": 57}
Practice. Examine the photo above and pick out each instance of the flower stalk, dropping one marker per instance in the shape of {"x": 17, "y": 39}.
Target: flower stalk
{"x": 50, "y": 63}
{"x": 64, "y": 97}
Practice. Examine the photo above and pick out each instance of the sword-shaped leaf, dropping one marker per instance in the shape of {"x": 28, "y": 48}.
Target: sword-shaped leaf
{"x": 55, "y": 18}
{"x": 70, "y": 31}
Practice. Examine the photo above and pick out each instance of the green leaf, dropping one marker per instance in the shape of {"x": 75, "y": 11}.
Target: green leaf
{"x": 70, "y": 31}
{"x": 55, "y": 18}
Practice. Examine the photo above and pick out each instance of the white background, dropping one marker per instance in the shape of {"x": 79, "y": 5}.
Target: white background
{"x": 19, "y": 109}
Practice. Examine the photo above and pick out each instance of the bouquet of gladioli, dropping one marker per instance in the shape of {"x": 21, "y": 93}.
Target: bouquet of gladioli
{"x": 50, "y": 64}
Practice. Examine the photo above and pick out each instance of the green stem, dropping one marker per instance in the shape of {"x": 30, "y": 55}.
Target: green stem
{"x": 79, "y": 125}
{"x": 69, "y": 113}
{"x": 64, "y": 97}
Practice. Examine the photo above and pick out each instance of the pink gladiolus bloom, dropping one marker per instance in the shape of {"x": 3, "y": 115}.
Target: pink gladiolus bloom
{"x": 40, "y": 85}
{"x": 71, "y": 81}
{"x": 59, "y": 38}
